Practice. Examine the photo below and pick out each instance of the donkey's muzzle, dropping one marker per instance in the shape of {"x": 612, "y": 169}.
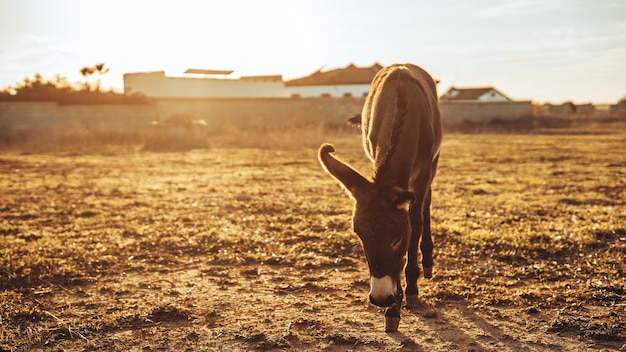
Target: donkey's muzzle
{"x": 382, "y": 291}
{"x": 384, "y": 303}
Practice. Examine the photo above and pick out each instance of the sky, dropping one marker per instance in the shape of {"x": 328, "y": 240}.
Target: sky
{"x": 545, "y": 51}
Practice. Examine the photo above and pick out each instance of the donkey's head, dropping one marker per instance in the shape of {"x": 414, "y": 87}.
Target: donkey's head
{"x": 381, "y": 220}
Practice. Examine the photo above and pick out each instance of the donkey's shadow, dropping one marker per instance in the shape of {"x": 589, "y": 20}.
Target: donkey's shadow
{"x": 422, "y": 311}
{"x": 452, "y": 324}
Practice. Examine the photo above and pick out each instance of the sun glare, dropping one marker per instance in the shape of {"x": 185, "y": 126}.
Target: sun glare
{"x": 294, "y": 38}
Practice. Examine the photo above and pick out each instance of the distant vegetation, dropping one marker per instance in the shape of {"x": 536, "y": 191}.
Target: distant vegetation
{"x": 61, "y": 90}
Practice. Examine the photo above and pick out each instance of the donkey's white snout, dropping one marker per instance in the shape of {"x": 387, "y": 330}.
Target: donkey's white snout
{"x": 382, "y": 291}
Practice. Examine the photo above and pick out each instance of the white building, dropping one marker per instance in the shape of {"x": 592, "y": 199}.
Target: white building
{"x": 342, "y": 82}
{"x": 482, "y": 94}
{"x": 212, "y": 84}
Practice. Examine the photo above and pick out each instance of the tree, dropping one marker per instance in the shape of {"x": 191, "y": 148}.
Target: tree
{"x": 90, "y": 70}
{"x": 37, "y": 89}
{"x": 100, "y": 70}
{"x": 59, "y": 89}
{"x": 86, "y": 72}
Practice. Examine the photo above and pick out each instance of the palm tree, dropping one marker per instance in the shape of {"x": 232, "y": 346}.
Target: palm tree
{"x": 86, "y": 72}
{"x": 100, "y": 69}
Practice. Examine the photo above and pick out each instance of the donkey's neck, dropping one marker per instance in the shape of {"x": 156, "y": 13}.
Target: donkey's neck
{"x": 395, "y": 172}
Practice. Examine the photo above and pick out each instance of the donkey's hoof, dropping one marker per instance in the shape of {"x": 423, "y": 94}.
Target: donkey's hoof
{"x": 428, "y": 272}
{"x": 412, "y": 301}
{"x": 391, "y": 324}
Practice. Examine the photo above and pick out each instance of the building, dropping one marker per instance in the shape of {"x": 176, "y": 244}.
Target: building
{"x": 341, "y": 82}
{"x": 203, "y": 84}
{"x": 349, "y": 81}
{"x": 482, "y": 94}
{"x": 567, "y": 110}
{"x": 481, "y": 105}
{"x": 618, "y": 109}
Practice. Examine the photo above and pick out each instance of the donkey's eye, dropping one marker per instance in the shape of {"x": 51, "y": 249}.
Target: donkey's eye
{"x": 395, "y": 244}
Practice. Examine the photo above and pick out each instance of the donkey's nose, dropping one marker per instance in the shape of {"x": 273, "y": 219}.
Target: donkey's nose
{"x": 382, "y": 291}
{"x": 384, "y": 303}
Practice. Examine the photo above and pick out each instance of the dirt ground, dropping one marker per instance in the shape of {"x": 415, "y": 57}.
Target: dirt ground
{"x": 231, "y": 248}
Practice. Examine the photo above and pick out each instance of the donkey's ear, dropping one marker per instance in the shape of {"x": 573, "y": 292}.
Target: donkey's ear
{"x": 349, "y": 178}
{"x": 401, "y": 198}
{"x": 355, "y": 120}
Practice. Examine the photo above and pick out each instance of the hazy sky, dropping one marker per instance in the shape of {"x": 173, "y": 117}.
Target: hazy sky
{"x": 544, "y": 50}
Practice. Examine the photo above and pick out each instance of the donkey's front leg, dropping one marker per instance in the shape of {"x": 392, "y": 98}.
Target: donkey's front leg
{"x": 392, "y": 313}
{"x": 392, "y": 318}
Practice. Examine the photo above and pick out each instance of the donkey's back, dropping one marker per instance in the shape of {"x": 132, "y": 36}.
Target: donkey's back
{"x": 400, "y": 121}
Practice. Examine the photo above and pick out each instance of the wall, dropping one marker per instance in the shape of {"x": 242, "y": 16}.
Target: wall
{"x": 22, "y": 118}
{"x": 19, "y": 118}
{"x": 262, "y": 112}
{"x": 454, "y": 113}
{"x": 618, "y": 109}
{"x": 568, "y": 110}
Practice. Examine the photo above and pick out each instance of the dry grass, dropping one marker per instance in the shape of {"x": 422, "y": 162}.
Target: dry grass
{"x": 249, "y": 248}
{"x": 167, "y": 138}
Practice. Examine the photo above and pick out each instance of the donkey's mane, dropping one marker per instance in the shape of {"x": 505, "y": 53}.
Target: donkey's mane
{"x": 400, "y": 115}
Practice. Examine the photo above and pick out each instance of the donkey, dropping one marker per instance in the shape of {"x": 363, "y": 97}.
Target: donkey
{"x": 402, "y": 132}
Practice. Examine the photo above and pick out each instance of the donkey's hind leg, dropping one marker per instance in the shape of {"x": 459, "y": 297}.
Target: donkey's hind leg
{"x": 426, "y": 244}
{"x": 412, "y": 269}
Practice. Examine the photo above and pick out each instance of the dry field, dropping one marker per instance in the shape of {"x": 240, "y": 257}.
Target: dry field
{"x": 249, "y": 248}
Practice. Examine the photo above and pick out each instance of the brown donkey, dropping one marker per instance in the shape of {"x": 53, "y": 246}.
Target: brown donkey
{"x": 401, "y": 135}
